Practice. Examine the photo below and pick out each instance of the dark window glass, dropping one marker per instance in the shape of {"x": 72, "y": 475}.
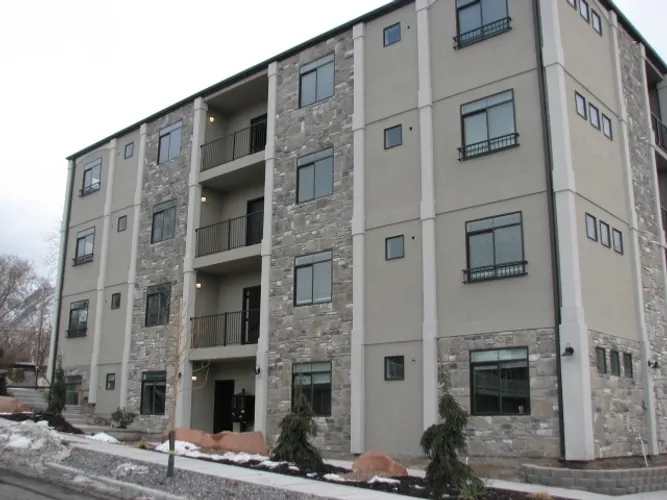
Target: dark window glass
{"x": 73, "y": 389}
{"x": 581, "y": 104}
{"x": 604, "y": 234}
{"x": 316, "y": 81}
{"x": 157, "y": 304}
{"x": 393, "y": 136}
{"x": 85, "y": 243}
{"x": 315, "y": 175}
{"x": 78, "y": 319}
{"x": 480, "y": 19}
{"x": 628, "y": 371}
{"x": 596, "y": 22}
{"x": 615, "y": 363}
{"x": 583, "y": 9}
{"x": 394, "y": 368}
{"x": 312, "y": 279}
{"x": 594, "y": 116}
{"x": 164, "y": 222}
{"x": 394, "y": 248}
{"x": 122, "y": 223}
{"x": 617, "y": 237}
{"x": 92, "y": 177}
{"x": 591, "y": 227}
{"x": 169, "y": 146}
{"x": 500, "y": 382}
{"x": 115, "y": 301}
{"x": 129, "y": 150}
{"x": 392, "y": 34}
{"x": 153, "y": 391}
{"x": 606, "y": 126}
{"x": 488, "y": 125}
{"x": 601, "y": 360}
{"x": 313, "y": 380}
{"x": 111, "y": 381}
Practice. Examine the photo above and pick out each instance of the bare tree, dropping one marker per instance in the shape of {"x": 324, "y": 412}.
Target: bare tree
{"x": 50, "y": 260}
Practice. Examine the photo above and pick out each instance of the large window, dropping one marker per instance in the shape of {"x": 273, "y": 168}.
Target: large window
{"x": 495, "y": 248}
{"x": 85, "y": 243}
{"x": 313, "y": 381}
{"x": 153, "y": 390}
{"x": 164, "y": 222}
{"x": 500, "y": 382}
{"x": 480, "y": 19}
{"x": 392, "y": 34}
{"x": 312, "y": 279}
{"x": 488, "y": 125}
{"x": 317, "y": 81}
{"x": 315, "y": 175}
{"x": 92, "y": 175}
{"x": 157, "y": 304}
{"x": 78, "y": 319}
{"x": 170, "y": 142}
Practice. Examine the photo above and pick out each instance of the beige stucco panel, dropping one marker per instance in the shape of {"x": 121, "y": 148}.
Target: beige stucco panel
{"x": 120, "y": 246}
{"x": 108, "y": 399}
{"x": 113, "y": 326}
{"x": 125, "y": 174}
{"x": 84, "y": 276}
{"x": 85, "y": 208}
{"x": 518, "y": 303}
{"x": 235, "y": 204}
{"x": 240, "y": 120}
{"x": 393, "y": 288}
{"x": 76, "y": 351}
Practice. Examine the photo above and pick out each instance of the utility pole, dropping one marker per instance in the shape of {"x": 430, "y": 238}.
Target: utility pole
{"x": 38, "y": 354}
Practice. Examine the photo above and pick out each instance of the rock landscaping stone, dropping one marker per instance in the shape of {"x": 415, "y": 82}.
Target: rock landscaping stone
{"x": 12, "y": 405}
{"x": 237, "y": 442}
{"x": 373, "y": 462}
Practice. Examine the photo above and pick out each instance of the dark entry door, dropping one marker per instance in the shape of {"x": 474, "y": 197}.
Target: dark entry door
{"x": 251, "y": 301}
{"x": 73, "y": 387}
{"x": 222, "y": 406}
{"x": 257, "y": 134}
{"x": 254, "y": 221}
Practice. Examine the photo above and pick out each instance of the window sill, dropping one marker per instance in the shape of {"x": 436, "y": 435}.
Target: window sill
{"x": 492, "y": 273}
{"x": 329, "y": 301}
{"x": 167, "y": 161}
{"x": 489, "y": 147}
{"x": 304, "y": 106}
{"x": 303, "y": 202}
{"x": 89, "y": 190}
{"x": 500, "y": 414}
{"x": 78, "y": 261}
{"x": 483, "y": 33}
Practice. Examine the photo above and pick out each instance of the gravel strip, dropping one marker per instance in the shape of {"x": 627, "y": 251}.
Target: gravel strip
{"x": 186, "y": 483}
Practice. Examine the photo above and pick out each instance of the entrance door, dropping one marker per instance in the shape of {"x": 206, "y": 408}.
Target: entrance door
{"x": 73, "y": 388}
{"x": 257, "y": 134}
{"x": 222, "y": 406}
{"x": 254, "y": 221}
{"x": 251, "y": 301}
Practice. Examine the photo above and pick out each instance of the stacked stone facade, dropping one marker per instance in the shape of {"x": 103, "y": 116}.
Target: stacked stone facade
{"x": 534, "y": 435}
{"x": 317, "y": 332}
{"x": 154, "y": 348}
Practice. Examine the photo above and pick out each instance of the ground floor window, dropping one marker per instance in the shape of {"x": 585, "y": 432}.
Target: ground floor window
{"x": 153, "y": 391}
{"x": 500, "y": 382}
{"x": 313, "y": 380}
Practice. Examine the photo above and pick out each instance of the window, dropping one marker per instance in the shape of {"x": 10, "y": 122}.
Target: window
{"x": 615, "y": 363}
{"x": 500, "y": 382}
{"x": 591, "y": 227}
{"x": 393, "y": 136}
{"x": 495, "y": 248}
{"x": 157, "y": 304}
{"x": 606, "y": 126}
{"x": 604, "y": 234}
{"x": 394, "y": 368}
{"x": 601, "y": 360}
{"x": 313, "y": 381}
{"x": 115, "y": 301}
{"x": 617, "y": 238}
{"x": 596, "y": 22}
{"x": 129, "y": 150}
{"x": 394, "y": 248}
{"x": 628, "y": 371}
{"x": 314, "y": 175}
{"x": 122, "y": 223}
{"x": 92, "y": 175}
{"x": 78, "y": 319}
{"x": 111, "y": 381}
{"x": 581, "y": 104}
{"x": 85, "y": 242}
{"x": 392, "y": 34}
{"x": 480, "y": 19}
{"x": 583, "y": 9}
{"x": 153, "y": 390}
{"x": 312, "y": 279}
{"x": 573, "y": 3}
{"x": 164, "y": 222}
{"x": 488, "y": 125}
{"x": 317, "y": 81}
{"x": 169, "y": 146}
{"x": 594, "y": 116}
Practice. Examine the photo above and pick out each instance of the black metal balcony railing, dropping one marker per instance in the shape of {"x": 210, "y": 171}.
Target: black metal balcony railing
{"x": 488, "y": 146}
{"x": 82, "y": 259}
{"x": 495, "y": 272}
{"x": 89, "y": 189}
{"x": 482, "y": 33}
{"x": 231, "y": 233}
{"x": 244, "y": 142}
{"x": 234, "y": 328}
{"x": 659, "y": 132}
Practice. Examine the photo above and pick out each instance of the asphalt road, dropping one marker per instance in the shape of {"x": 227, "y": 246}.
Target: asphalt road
{"x": 15, "y": 487}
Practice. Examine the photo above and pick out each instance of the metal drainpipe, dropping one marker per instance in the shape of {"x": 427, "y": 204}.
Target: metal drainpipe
{"x": 544, "y": 111}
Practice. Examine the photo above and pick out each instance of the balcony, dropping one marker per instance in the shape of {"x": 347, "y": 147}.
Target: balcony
{"x": 498, "y": 271}
{"x": 226, "y": 335}
{"x": 489, "y": 146}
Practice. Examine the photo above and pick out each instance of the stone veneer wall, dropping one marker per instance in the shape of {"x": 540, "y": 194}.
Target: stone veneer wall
{"x": 318, "y": 332}
{"x": 618, "y": 412}
{"x": 649, "y": 226}
{"x": 154, "y": 348}
{"x": 534, "y": 435}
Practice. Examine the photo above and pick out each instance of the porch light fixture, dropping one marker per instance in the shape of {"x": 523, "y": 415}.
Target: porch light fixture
{"x": 194, "y": 378}
{"x": 198, "y": 285}
{"x": 257, "y": 370}
{"x": 203, "y": 199}
{"x": 569, "y": 351}
{"x": 211, "y": 119}
{"x": 653, "y": 363}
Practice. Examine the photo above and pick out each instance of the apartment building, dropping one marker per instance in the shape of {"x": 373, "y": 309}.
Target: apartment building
{"x": 462, "y": 186}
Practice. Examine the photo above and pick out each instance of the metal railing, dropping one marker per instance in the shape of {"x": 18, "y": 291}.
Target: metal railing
{"x": 89, "y": 189}
{"x": 659, "y": 132}
{"x": 488, "y": 146}
{"x": 483, "y": 32}
{"x": 234, "y": 328}
{"x": 82, "y": 259}
{"x": 231, "y": 233}
{"x": 494, "y": 272}
{"x": 241, "y": 143}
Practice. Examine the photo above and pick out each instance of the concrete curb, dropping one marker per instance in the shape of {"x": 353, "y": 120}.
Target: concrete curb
{"x": 119, "y": 489}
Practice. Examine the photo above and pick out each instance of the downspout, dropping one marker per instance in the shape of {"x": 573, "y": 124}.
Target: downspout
{"x": 551, "y": 211}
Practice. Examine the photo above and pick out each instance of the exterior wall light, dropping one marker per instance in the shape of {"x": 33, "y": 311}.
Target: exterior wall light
{"x": 198, "y": 285}
{"x": 569, "y": 351}
{"x": 211, "y": 119}
{"x": 203, "y": 199}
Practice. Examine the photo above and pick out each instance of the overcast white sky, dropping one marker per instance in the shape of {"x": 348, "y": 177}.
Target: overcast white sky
{"x": 75, "y": 71}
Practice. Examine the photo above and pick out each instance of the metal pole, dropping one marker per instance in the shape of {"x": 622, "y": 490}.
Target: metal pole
{"x": 38, "y": 354}
{"x": 172, "y": 452}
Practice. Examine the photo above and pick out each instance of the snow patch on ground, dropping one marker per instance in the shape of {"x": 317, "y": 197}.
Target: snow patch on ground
{"x": 180, "y": 447}
{"x": 106, "y": 438}
{"x": 270, "y": 464}
{"x": 189, "y": 450}
{"x": 29, "y": 444}
{"x": 386, "y": 480}
{"x": 293, "y": 467}
{"x": 127, "y": 469}
{"x": 334, "y": 477}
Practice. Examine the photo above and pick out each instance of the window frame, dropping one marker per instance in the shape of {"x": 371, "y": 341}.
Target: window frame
{"x": 586, "y": 8}
{"x": 577, "y": 97}
{"x": 115, "y": 301}
{"x": 84, "y": 258}
{"x": 594, "y": 16}
{"x": 498, "y": 363}
{"x": 128, "y": 147}
{"x": 605, "y": 227}
{"x": 386, "y": 43}
{"x": 312, "y": 159}
{"x": 163, "y": 292}
{"x": 628, "y": 366}
{"x": 121, "y": 224}
{"x": 602, "y": 370}
{"x": 311, "y": 373}
{"x": 504, "y": 25}
{"x": 386, "y": 247}
{"x": 606, "y": 120}
{"x": 312, "y": 278}
{"x": 91, "y": 187}
{"x": 387, "y": 375}
{"x": 110, "y": 384}
{"x": 79, "y": 305}
{"x": 591, "y": 108}
{"x": 313, "y": 67}
{"x": 390, "y": 129}
{"x": 595, "y": 225}
{"x": 154, "y": 382}
{"x": 158, "y": 210}
{"x": 618, "y": 249}
{"x": 166, "y": 133}
{"x": 573, "y": 3}
{"x": 614, "y": 356}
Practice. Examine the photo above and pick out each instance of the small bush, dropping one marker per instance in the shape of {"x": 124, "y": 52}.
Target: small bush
{"x": 472, "y": 489}
{"x": 541, "y": 495}
{"x": 122, "y": 418}
{"x": 58, "y": 392}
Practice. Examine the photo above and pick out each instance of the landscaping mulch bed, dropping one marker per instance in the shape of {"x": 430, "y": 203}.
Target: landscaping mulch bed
{"x": 57, "y": 422}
